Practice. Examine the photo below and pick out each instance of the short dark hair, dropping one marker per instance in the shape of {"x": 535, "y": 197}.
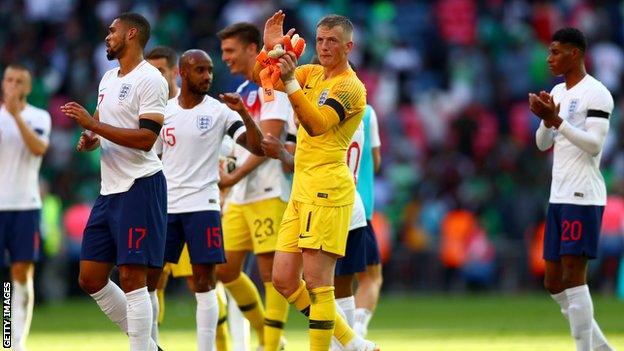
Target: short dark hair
{"x": 140, "y": 23}
{"x": 331, "y": 21}
{"x": 571, "y": 36}
{"x": 243, "y": 31}
{"x": 165, "y": 52}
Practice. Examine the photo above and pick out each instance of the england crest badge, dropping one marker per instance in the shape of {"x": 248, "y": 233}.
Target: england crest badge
{"x": 124, "y": 91}
{"x": 323, "y": 97}
{"x": 251, "y": 98}
{"x": 204, "y": 122}
{"x": 573, "y": 105}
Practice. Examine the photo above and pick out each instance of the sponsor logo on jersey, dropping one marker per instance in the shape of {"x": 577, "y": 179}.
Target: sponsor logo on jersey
{"x": 323, "y": 97}
{"x": 251, "y": 98}
{"x": 124, "y": 91}
{"x": 204, "y": 122}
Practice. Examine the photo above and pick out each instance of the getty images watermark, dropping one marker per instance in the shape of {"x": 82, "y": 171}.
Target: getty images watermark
{"x": 6, "y": 315}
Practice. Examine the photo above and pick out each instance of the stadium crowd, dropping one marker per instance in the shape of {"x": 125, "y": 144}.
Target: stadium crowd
{"x": 463, "y": 189}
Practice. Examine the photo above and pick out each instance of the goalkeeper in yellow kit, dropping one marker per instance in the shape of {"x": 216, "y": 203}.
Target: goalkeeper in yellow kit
{"x": 329, "y": 101}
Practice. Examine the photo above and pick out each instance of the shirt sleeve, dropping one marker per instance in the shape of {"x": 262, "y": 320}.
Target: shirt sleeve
{"x": 234, "y": 125}
{"x": 544, "y": 137}
{"x": 302, "y": 72}
{"x": 374, "y": 129}
{"x": 277, "y": 109}
{"x": 42, "y": 126}
{"x": 347, "y": 98}
{"x": 601, "y": 105}
{"x": 589, "y": 140}
{"x": 153, "y": 93}
{"x": 100, "y": 96}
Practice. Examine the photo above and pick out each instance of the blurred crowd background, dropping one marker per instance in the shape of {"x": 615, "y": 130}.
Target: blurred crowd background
{"x": 463, "y": 190}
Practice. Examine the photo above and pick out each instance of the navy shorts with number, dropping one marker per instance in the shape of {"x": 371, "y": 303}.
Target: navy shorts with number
{"x": 129, "y": 227}
{"x": 19, "y": 235}
{"x": 572, "y": 230}
{"x": 354, "y": 260}
{"x": 372, "y": 248}
{"x": 202, "y": 233}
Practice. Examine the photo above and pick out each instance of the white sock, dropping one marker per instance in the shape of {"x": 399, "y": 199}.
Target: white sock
{"x": 155, "y": 307}
{"x": 599, "y": 342}
{"x": 207, "y": 316}
{"x": 22, "y": 301}
{"x": 580, "y": 314}
{"x": 356, "y": 344}
{"x": 347, "y": 304}
{"x": 335, "y": 344}
{"x": 112, "y": 302}
{"x": 362, "y": 317}
{"x": 139, "y": 319}
{"x": 239, "y": 326}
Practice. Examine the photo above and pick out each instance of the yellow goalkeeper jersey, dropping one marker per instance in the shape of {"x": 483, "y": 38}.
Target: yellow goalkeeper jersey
{"x": 322, "y": 176}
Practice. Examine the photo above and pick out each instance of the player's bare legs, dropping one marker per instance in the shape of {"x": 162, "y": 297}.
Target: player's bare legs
{"x": 204, "y": 277}
{"x": 153, "y": 278}
{"x": 22, "y": 301}
{"x": 132, "y": 277}
{"x": 162, "y": 281}
{"x": 366, "y": 297}
{"x": 287, "y": 271}
{"x": 229, "y": 271}
{"x": 243, "y": 290}
{"x": 566, "y": 282}
{"x": 344, "y": 285}
{"x": 21, "y": 272}
{"x": 94, "y": 280}
{"x": 369, "y": 285}
{"x": 93, "y": 275}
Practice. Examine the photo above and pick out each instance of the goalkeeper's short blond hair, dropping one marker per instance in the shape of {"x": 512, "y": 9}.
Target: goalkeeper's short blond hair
{"x": 331, "y": 21}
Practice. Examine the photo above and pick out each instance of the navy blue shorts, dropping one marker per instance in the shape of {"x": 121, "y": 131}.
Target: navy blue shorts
{"x": 373, "y": 257}
{"x": 354, "y": 260}
{"x": 572, "y": 230}
{"x": 202, "y": 233}
{"x": 129, "y": 227}
{"x": 19, "y": 235}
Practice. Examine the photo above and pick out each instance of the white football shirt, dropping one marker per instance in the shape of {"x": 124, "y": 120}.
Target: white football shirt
{"x": 267, "y": 180}
{"x": 576, "y": 177}
{"x": 354, "y": 158}
{"x": 190, "y": 144}
{"x": 374, "y": 130}
{"x": 121, "y": 100}
{"x": 19, "y": 168}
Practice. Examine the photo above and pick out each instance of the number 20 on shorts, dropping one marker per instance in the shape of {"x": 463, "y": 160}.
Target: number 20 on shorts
{"x": 571, "y": 230}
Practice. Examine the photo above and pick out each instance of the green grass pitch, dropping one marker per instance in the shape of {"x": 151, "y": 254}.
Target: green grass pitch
{"x": 430, "y": 322}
